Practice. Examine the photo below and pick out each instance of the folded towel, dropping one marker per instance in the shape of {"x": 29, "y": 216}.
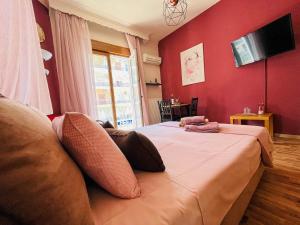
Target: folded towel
{"x": 198, "y": 124}
{"x": 211, "y": 127}
{"x": 193, "y": 120}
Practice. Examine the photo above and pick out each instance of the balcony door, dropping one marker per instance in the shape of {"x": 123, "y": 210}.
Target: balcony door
{"x": 117, "y": 90}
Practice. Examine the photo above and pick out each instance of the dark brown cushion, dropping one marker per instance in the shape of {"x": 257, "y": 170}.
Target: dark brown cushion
{"x": 138, "y": 149}
{"x": 39, "y": 183}
{"x": 106, "y": 124}
{"x": 5, "y": 220}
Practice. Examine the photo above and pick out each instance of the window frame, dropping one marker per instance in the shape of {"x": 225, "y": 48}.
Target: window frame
{"x": 105, "y": 49}
{"x": 110, "y": 49}
{"x": 112, "y": 93}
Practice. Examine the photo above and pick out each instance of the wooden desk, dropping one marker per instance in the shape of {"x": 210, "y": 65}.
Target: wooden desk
{"x": 267, "y": 118}
{"x": 180, "y": 105}
{"x": 177, "y": 107}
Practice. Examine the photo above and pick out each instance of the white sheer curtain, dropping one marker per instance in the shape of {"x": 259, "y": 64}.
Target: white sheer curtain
{"x": 136, "y": 54}
{"x": 74, "y": 60}
{"x": 22, "y": 73}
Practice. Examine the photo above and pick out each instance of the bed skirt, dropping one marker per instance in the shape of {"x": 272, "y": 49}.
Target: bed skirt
{"x": 236, "y": 212}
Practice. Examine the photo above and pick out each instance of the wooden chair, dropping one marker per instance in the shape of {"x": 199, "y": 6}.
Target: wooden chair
{"x": 165, "y": 110}
{"x": 193, "y": 107}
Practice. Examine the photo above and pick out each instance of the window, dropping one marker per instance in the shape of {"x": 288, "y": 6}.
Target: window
{"x": 117, "y": 89}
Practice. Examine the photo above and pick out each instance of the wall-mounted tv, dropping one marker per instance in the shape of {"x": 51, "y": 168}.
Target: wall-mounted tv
{"x": 270, "y": 40}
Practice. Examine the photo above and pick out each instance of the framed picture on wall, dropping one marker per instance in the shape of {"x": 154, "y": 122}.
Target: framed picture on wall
{"x": 192, "y": 65}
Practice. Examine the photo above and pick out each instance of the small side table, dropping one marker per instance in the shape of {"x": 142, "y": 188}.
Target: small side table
{"x": 267, "y": 118}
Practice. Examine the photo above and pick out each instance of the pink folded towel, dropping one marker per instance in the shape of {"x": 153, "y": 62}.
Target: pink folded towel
{"x": 194, "y": 120}
{"x": 211, "y": 127}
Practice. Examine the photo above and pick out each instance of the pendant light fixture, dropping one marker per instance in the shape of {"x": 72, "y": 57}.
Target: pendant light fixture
{"x": 174, "y": 11}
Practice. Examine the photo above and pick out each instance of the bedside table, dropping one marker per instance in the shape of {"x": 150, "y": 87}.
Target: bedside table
{"x": 267, "y": 118}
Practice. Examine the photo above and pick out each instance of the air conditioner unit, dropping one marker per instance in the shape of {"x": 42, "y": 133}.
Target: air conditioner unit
{"x": 150, "y": 59}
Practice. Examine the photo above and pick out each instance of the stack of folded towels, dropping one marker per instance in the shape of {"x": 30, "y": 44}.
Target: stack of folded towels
{"x": 199, "y": 124}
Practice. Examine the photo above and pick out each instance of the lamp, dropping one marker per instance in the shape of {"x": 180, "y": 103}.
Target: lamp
{"x": 46, "y": 55}
{"x": 47, "y": 72}
{"x": 174, "y": 11}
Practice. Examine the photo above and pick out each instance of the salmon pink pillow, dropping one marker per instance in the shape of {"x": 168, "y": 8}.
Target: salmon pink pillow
{"x": 97, "y": 154}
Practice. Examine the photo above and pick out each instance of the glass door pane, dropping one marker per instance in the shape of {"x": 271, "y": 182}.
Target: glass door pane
{"x": 126, "y": 91}
{"x": 103, "y": 88}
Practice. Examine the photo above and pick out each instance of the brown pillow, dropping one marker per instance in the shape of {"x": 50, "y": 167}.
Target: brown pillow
{"x": 5, "y": 220}
{"x": 106, "y": 124}
{"x": 138, "y": 149}
{"x": 39, "y": 183}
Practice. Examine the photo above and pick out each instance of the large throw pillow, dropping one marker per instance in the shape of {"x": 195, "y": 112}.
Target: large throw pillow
{"x": 39, "y": 182}
{"x": 105, "y": 124}
{"x": 97, "y": 154}
{"x": 138, "y": 149}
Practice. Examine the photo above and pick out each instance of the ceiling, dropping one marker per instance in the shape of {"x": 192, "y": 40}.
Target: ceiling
{"x": 144, "y": 17}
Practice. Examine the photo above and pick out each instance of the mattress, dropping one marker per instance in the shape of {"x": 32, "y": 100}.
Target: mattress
{"x": 205, "y": 174}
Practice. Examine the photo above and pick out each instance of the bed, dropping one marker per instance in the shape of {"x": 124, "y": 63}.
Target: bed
{"x": 209, "y": 178}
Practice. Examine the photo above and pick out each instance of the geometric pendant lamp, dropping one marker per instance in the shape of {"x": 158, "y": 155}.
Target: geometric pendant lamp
{"x": 174, "y": 11}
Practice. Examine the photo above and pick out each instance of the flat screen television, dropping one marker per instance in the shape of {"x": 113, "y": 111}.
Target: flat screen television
{"x": 270, "y": 40}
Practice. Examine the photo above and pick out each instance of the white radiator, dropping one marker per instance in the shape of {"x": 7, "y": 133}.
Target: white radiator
{"x": 154, "y": 115}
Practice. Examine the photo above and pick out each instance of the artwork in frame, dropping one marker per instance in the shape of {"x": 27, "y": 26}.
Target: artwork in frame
{"x": 192, "y": 65}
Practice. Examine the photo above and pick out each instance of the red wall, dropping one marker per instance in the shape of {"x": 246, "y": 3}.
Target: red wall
{"x": 42, "y": 17}
{"x": 227, "y": 89}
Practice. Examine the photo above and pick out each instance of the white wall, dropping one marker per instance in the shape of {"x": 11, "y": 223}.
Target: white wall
{"x": 152, "y": 72}
{"x": 107, "y": 35}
